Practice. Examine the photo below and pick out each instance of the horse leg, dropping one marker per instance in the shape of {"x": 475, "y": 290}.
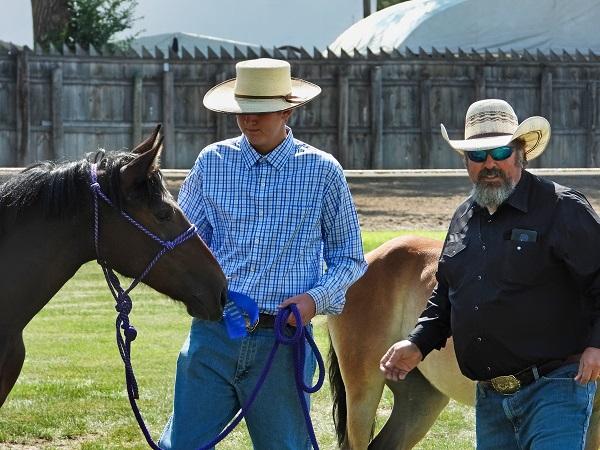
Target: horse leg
{"x": 593, "y": 435}
{"x": 362, "y": 400}
{"x": 12, "y": 355}
{"x": 417, "y": 405}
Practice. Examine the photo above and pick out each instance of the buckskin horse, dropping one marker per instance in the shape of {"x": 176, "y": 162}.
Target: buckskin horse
{"x": 47, "y": 233}
{"x": 382, "y": 307}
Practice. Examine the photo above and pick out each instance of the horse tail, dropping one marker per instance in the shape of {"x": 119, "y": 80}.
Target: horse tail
{"x": 339, "y": 409}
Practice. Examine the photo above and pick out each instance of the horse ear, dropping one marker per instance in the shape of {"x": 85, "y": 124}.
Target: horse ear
{"x": 146, "y": 145}
{"x": 138, "y": 170}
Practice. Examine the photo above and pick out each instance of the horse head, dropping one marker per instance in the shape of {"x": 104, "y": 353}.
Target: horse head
{"x": 188, "y": 272}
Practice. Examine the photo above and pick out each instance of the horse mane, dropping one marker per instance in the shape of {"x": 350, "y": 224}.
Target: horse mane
{"x": 61, "y": 190}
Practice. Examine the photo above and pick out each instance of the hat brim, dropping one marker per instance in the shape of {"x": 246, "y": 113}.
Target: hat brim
{"x": 534, "y": 132}
{"x": 221, "y": 98}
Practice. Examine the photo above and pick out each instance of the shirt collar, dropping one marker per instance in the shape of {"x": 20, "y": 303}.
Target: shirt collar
{"x": 278, "y": 157}
{"x": 519, "y": 199}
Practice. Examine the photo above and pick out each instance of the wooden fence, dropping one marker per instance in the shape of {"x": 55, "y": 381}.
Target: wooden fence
{"x": 376, "y": 111}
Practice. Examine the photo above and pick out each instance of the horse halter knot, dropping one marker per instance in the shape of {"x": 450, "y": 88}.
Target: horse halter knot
{"x": 121, "y": 296}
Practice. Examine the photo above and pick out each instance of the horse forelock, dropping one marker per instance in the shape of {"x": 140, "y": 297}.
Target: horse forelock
{"x": 62, "y": 189}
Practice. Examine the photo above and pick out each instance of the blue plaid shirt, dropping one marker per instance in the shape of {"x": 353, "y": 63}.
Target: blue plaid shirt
{"x": 276, "y": 222}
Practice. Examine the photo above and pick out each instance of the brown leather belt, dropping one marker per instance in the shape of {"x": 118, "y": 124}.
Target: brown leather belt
{"x": 509, "y": 384}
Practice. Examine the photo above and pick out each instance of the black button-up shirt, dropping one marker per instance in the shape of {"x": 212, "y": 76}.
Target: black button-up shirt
{"x": 519, "y": 287}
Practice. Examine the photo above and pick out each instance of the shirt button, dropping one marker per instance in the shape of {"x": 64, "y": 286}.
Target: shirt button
{"x": 483, "y": 247}
{"x": 263, "y": 184}
{"x": 479, "y": 277}
{"x": 257, "y": 241}
{"x": 476, "y": 308}
{"x": 489, "y": 369}
{"x": 489, "y": 220}
{"x": 479, "y": 339}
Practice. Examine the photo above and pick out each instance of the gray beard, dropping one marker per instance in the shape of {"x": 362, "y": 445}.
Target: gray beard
{"x": 491, "y": 197}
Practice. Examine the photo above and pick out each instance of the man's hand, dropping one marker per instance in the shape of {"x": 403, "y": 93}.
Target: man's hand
{"x": 401, "y": 358}
{"x": 306, "y": 306}
{"x": 589, "y": 366}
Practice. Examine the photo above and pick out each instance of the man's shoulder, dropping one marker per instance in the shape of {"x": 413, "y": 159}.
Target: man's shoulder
{"x": 221, "y": 148}
{"x": 308, "y": 152}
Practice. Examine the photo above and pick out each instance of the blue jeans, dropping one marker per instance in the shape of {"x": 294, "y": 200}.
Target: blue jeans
{"x": 553, "y": 413}
{"x": 215, "y": 375}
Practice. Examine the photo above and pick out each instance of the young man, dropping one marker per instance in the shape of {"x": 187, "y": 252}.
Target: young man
{"x": 518, "y": 290}
{"x": 275, "y": 212}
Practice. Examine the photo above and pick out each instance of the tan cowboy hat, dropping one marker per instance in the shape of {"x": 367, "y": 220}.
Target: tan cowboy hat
{"x": 261, "y": 85}
{"x": 493, "y": 123}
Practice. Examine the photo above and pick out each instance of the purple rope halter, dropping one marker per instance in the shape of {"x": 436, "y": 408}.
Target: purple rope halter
{"x": 121, "y": 296}
{"x": 124, "y": 306}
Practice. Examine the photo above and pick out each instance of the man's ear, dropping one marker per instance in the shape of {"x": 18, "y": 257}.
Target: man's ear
{"x": 140, "y": 169}
{"x": 286, "y": 114}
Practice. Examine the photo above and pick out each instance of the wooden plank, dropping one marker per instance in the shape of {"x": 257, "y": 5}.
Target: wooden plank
{"x": 169, "y": 155}
{"x": 221, "y": 119}
{"x": 545, "y": 107}
{"x": 343, "y": 105}
{"x": 136, "y": 116}
{"x": 376, "y": 118}
{"x": 480, "y": 88}
{"x": 58, "y": 132}
{"x": 23, "y": 124}
{"x": 425, "y": 117}
{"x": 589, "y": 114}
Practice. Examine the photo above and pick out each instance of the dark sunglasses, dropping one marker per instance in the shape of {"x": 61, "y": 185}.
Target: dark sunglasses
{"x": 497, "y": 154}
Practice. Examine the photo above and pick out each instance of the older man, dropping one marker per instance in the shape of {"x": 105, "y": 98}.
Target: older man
{"x": 518, "y": 290}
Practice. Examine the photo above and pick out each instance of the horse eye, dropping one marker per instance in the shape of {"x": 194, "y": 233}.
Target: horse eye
{"x": 164, "y": 214}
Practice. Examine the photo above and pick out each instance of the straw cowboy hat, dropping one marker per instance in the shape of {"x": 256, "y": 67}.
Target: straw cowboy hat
{"x": 261, "y": 85}
{"x": 493, "y": 123}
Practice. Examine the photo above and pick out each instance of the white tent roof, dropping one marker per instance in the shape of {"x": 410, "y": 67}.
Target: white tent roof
{"x": 189, "y": 41}
{"x": 478, "y": 24}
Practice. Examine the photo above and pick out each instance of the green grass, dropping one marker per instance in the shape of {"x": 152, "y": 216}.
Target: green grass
{"x": 71, "y": 393}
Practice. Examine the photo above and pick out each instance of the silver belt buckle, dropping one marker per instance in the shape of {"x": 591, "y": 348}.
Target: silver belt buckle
{"x": 250, "y": 327}
{"x": 506, "y": 384}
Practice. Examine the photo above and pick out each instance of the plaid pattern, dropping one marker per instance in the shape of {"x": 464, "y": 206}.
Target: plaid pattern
{"x": 276, "y": 222}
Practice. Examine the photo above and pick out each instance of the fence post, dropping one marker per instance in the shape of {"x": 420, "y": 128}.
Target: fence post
{"x": 343, "y": 97}
{"x": 376, "y": 161}
{"x": 23, "y": 113}
{"x": 136, "y": 114}
{"x": 169, "y": 152}
{"x": 425, "y": 116}
{"x": 58, "y": 132}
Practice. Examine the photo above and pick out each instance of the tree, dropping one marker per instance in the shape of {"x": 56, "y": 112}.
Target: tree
{"x": 83, "y": 22}
{"x": 50, "y": 19}
{"x": 385, "y": 3}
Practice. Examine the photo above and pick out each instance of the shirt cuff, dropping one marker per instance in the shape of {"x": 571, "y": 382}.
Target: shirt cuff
{"x": 321, "y": 297}
{"x": 419, "y": 337}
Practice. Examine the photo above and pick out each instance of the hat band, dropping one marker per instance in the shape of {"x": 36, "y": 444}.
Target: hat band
{"x": 486, "y": 135}
{"x": 288, "y": 98}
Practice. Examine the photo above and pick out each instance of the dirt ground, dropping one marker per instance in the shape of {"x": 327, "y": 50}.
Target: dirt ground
{"x": 427, "y": 203}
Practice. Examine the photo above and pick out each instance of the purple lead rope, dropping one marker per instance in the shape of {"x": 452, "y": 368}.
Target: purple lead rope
{"x": 124, "y": 306}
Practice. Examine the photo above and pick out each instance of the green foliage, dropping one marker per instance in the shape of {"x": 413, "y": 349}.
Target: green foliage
{"x": 385, "y": 3}
{"x": 96, "y": 22}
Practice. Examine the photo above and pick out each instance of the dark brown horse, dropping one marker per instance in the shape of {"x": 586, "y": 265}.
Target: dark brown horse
{"x": 46, "y": 234}
{"x": 382, "y": 308}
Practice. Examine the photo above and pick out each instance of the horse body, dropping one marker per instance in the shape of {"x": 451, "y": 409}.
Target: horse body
{"x": 382, "y": 308}
{"x": 47, "y": 233}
